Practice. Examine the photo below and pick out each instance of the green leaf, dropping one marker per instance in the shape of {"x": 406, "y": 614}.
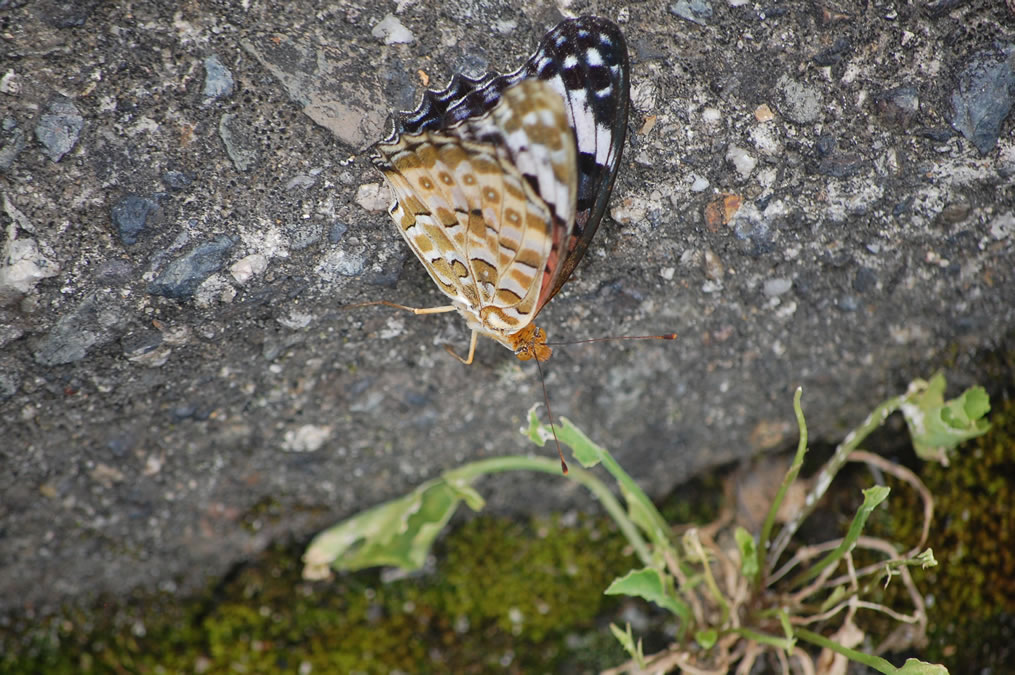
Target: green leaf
{"x": 915, "y": 667}
{"x": 938, "y": 426}
{"x": 749, "y": 564}
{"x": 585, "y": 451}
{"x": 626, "y": 640}
{"x": 648, "y": 584}
{"x": 706, "y": 639}
{"x": 536, "y": 431}
{"x": 834, "y": 598}
{"x": 872, "y": 497}
{"x": 642, "y": 515}
{"x": 397, "y": 533}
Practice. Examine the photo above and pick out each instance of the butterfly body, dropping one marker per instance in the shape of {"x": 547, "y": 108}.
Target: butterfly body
{"x": 500, "y": 182}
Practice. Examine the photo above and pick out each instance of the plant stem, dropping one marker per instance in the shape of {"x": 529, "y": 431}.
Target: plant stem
{"x": 770, "y": 558}
{"x": 828, "y": 472}
{"x": 875, "y": 662}
{"x": 469, "y": 472}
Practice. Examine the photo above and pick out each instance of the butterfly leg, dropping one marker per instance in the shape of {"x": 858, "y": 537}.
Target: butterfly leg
{"x": 472, "y": 350}
{"x": 426, "y": 310}
{"x": 414, "y": 310}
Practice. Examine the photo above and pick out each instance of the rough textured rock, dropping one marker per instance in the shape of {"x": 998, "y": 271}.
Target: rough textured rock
{"x": 793, "y": 202}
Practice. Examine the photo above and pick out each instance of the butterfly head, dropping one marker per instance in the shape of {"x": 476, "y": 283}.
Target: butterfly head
{"x": 530, "y": 343}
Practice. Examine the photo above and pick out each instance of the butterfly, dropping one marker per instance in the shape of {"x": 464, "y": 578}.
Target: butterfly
{"x": 500, "y": 182}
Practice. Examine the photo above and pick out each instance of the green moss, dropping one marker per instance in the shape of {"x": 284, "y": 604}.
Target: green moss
{"x": 530, "y": 581}
{"x": 265, "y": 618}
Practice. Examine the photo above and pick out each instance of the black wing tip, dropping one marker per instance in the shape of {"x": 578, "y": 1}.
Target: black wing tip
{"x": 602, "y": 26}
{"x": 423, "y": 118}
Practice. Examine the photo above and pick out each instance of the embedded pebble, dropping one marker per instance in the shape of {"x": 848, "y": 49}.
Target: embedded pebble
{"x": 183, "y": 275}
{"x": 899, "y": 105}
{"x": 841, "y": 165}
{"x": 308, "y": 438}
{"x": 10, "y": 330}
{"x": 695, "y": 11}
{"x": 129, "y": 216}
{"x": 373, "y": 197}
{"x": 766, "y": 139}
{"x": 236, "y": 136}
{"x": 866, "y": 279}
{"x": 698, "y": 183}
{"x": 336, "y": 232}
{"x": 302, "y": 234}
{"x": 58, "y": 130}
{"x": 25, "y": 261}
{"x": 713, "y": 266}
{"x": 801, "y": 103}
{"x": 301, "y": 181}
{"x": 340, "y": 262}
{"x": 741, "y": 160}
{"x": 245, "y": 268}
{"x": 776, "y": 287}
{"x": 218, "y": 81}
{"x": 391, "y": 30}
{"x": 95, "y": 321}
{"x": 984, "y": 96}
{"x": 145, "y": 348}
{"x": 1003, "y": 227}
{"x": 213, "y": 290}
{"x": 176, "y": 180}
{"x": 834, "y": 54}
{"x": 10, "y": 84}
{"x": 763, "y": 113}
{"x": 629, "y": 210}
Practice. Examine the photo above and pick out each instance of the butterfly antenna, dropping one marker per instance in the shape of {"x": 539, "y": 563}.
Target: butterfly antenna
{"x": 546, "y": 399}
{"x": 665, "y": 336}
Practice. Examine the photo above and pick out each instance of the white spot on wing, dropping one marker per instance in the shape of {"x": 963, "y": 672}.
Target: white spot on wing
{"x": 602, "y": 145}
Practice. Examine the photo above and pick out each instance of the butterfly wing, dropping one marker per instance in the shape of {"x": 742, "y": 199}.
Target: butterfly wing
{"x": 585, "y": 61}
{"x": 484, "y": 204}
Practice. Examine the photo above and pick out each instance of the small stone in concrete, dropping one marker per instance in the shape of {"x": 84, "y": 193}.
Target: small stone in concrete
{"x": 695, "y": 11}
{"x": 776, "y": 287}
{"x": 176, "y": 180}
{"x": 58, "y": 130}
{"x": 336, "y": 232}
{"x": 983, "y": 97}
{"x": 801, "y": 103}
{"x": 218, "y": 81}
{"x": 182, "y": 276}
{"x": 235, "y": 136}
{"x": 129, "y": 216}
{"x": 392, "y": 31}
